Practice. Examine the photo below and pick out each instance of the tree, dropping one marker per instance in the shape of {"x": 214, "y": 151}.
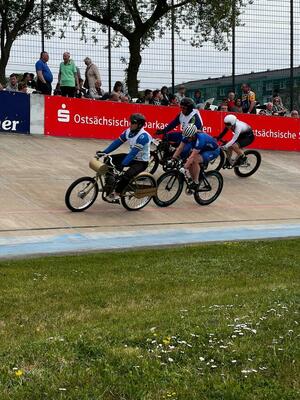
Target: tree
{"x": 138, "y": 20}
{"x": 17, "y": 18}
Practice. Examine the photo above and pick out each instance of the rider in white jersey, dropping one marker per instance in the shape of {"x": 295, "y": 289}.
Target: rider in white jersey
{"x": 242, "y": 136}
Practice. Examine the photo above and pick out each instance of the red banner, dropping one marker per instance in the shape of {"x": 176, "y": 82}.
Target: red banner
{"x": 84, "y": 118}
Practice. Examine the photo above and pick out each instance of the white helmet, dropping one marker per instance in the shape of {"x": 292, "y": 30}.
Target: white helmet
{"x": 189, "y": 131}
{"x": 230, "y": 120}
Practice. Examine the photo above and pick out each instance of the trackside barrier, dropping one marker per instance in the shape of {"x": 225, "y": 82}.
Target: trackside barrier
{"x": 84, "y": 118}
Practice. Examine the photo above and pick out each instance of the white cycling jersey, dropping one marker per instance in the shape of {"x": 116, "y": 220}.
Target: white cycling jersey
{"x": 237, "y": 129}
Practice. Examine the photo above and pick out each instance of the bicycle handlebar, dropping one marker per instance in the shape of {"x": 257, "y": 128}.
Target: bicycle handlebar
{"x": 99, "y": 155}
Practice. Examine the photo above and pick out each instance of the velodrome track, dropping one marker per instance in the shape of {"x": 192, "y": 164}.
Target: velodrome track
{"x": 36, "y": 171}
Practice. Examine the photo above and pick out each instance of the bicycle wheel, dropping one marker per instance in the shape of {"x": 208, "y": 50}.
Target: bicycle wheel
{"x": 81, "y": 194}
{"x": 250, "y": 166}
{"x": 211, "y": 185}
{"x": 217, "y": 163}
{"x": 135, "y": 195}
{"x": 153, "y": 162}
{"x": 169, "y": 188}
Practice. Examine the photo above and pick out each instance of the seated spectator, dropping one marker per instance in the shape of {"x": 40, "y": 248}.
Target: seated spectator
{"x": 237, "y": 106}
{"x": 22, "y": 87}
{"x": 223, "y": 103}
{"x": 295, "y": 114}
{"x": 146, "y": 99}
{"x": 173, "y": 100}
{"x": 224, "y": 108}
{"x": 118, "y": 89}
{"x": 276, "y": 94}
{"x": 96, "y": 92}
{"x": 181, "y": 93}
{"x": 278, "y": 109}
{"x": 29, "y": 80}
{"x": 114, "y": 97}
{"x": 125, "y": 99}
{"x": 262, "y": 112}
{"x": 156, "y": 97}
{"x": 231, "y": 101}
{"x": 269, "y": 108}
{"x": 198, "y": 97}
{"x": 164, "y": 96}
{"x": 12, "y": 85}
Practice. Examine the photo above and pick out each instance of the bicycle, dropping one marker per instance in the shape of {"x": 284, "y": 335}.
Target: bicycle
{"x": 164, "y": 149}
{"x": 170, "y": 186}
{"x": 83, "y": 192}
{"x": 243, "y": 169}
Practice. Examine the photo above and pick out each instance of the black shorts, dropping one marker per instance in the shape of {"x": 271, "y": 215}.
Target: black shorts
{"x": 245, "y": 138}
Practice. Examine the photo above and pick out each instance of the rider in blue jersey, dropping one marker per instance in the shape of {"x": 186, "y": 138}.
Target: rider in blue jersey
{"x": 189, "y": 115}
{"x": 204, "y": 148}
{"x": 138, "y": 156}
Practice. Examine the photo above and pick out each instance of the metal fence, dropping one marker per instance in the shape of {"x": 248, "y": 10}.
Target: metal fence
{"x": 268, "y": 38}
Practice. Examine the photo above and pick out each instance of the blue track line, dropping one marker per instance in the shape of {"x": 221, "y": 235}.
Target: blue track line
{"x": 53, "y": 244}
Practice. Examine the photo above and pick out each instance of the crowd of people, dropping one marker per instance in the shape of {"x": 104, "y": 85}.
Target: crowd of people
{"x": 71, "y": 84}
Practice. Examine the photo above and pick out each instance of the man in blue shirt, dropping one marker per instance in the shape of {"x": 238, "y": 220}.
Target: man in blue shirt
{"x": 44, "y": 75}
{"x": 204, "y": 148}
{"x": 138, "y": 156}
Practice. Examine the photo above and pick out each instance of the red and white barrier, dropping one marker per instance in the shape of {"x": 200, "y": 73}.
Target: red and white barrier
{"x": 83, "y": 118}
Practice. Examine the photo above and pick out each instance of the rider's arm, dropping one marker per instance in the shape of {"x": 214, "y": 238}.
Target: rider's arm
{"x": 234, "y": 138}
{"x": 115, "y": 144}
{"x": 171, "y": 125}
{"x": 139, "y": 145}
{"x": 223, "y": 133}
{"x": 178, "y": 151}
{"x": 198, "y": 122}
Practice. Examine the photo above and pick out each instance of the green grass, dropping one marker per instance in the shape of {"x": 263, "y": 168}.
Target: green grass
{"x": 195, "y": 323}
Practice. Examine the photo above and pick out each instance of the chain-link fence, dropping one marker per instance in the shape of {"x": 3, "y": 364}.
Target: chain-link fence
{"x": 267, "y": 39}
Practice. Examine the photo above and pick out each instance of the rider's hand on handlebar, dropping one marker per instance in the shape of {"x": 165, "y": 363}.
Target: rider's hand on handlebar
{"x": 171, "y": 163}
{"x": 100, "y": 154}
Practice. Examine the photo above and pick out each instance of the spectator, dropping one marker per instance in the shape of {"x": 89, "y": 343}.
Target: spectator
{"x": 44, "y": 75}
{"x": 269, "y": 108}
{"x": 114, "y": 97}
{"x": 1, "y": 87}
{"x": 164, "y": 96}
{"x": 173, "y": 100}
{"x": 30, "y": 82}
{"x": 146, "y": 99}
{"x": 276, "y": 94}
{"x": 248, "y": 100}
{"x": 96, "y": 92}
{"x": 198, "y": 97}
{"x": 237, "y": 106}
{"x": 295, "y": 114}
{"x": 81, "y": 92}
{"x": 68, "y": 76}
{"x": 224, "y": 108}
{"x": 223, "y": 103}
{"x": 12, "y": 85}
{"x": 118, "y": 89}
{"x": 156, "y": 97}
{"x": 262, "y": 112}
{"x": 22, "y": 87}
{"x": 92, "y": 75}
{"x": 231, "y": 101}
{"x": 278, "y": 108}
{"x": 181, "y": 93}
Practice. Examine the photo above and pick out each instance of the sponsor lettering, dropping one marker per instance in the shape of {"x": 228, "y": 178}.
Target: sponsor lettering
{"x": 8, "y": 125}
{"x": 63, "y": 115}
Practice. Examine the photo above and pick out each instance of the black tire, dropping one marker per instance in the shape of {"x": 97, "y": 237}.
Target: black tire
{"x": 76, "y": 191}
{"x": 153, "y": 162}
{"x": 217, "y": 163}
{"x": 169, "y": 188}
{"x": 210, "y": 188}
{"x": 251, "y": 166}
{"x": 129, "y": 200}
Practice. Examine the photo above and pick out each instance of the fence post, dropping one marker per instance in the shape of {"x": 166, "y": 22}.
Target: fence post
{"x": 109, "y": 50}
{"x": 173, "y": 45}
{"x": 291, "y": 54}
{"x": 233, "y": 44}
{"x": 42, "y": 26}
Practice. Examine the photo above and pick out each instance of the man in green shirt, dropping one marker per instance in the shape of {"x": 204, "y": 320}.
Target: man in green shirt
{"x": 68, "y": 76}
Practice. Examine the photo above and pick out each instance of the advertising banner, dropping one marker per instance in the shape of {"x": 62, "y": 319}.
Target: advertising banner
{"x": 14, "y": 112}
{"x": 84, "y": 118}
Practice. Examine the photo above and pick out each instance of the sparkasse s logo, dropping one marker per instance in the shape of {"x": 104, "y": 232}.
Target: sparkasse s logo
{"x": 63, "y": 115}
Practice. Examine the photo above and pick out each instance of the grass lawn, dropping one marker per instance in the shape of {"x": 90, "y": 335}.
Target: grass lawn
{"x": 218, "y": 321}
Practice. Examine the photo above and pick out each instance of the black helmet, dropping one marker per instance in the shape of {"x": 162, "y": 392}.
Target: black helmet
{"x": 189, "y": 103}
{"x": 138, "y": 119}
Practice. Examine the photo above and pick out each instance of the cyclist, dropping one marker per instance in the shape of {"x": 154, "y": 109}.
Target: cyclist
{"x": 189, "y": 115}
{"x": 138, "y": 156}
{"x": 242, "y": 137}
{"x": 204, "y": 148}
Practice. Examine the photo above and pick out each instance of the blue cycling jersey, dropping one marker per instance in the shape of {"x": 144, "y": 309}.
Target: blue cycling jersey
{"x": 202, "y": 142}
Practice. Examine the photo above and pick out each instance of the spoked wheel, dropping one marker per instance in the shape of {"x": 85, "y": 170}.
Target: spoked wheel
{"x": 211, "y": 186}
{"x": 250, "y": 165}
{"x": 217, "y": 163}
{"x": 153, "y": 162}
{"x": 138, "y": 193}
{"x": 169, "y": 188}
{"x": 81, "y": 194}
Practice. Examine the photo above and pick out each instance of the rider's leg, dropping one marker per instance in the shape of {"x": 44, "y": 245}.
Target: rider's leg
{"x": 135, "y": 167}
{"x": 194, "y": 167}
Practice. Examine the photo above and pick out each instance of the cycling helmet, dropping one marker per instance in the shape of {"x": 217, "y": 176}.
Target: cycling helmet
{"x": 138, "y": 119}
{"x": 189, "y": 103}
{"x": 189, "y": 131}
{"x": 230, "y": 120}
